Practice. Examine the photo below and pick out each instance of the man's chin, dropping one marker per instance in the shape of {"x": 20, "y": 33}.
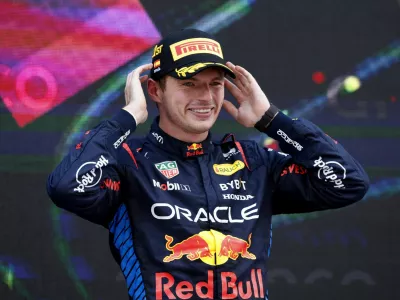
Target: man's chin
{"x": 199, "y": 127}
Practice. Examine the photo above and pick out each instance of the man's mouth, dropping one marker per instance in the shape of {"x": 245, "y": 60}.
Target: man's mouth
{"x": 201, "y": 110}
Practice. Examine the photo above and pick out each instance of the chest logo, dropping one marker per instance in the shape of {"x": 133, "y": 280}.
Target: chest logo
{"x": 228, "y": 169}
{"x": 194, "y": 149}
{"x": 206, "y": 244}
{"x": 168, "y": 168}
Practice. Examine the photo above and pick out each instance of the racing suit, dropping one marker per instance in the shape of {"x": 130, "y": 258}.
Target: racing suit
{"x": 193, "y": 221}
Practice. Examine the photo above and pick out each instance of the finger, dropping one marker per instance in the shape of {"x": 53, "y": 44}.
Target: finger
{"x": 241, "y": 81}
{"x": 230, "y": 65}
{"x": 139, "y": 70}
{"x": 127, "y": 87}
{"x": 234, "y": 90}
{"x": 244, "y": 73}
{"x": 128, "y": 81}
{"x": 135, "y": 75}
{"x": 147, "y": 67}
{"x": 230, "y": 108}
{"x": 144, "y": 67}
{"x": 143, "y": 78}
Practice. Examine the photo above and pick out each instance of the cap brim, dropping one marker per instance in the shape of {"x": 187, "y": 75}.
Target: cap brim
{"x": 190, "y": 70}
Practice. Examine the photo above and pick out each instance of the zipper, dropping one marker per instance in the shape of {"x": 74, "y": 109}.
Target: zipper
{"x": 203, "y": 163}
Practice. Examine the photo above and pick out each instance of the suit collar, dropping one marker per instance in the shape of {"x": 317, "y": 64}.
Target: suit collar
{"x": 170, "y": 144}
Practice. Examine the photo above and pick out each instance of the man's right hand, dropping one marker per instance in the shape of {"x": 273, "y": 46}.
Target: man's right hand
{"x": 135, "y": 100}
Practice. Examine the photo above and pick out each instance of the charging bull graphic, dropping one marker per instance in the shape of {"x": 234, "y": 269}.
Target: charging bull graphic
{"x": 206, "y": 244}
{"x": 193, "y": 247}
{"x": 233, "y": 247}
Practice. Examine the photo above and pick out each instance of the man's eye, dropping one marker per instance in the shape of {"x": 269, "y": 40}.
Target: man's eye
{"x": 216, "y": 83}
{"x": 188, "y": 83}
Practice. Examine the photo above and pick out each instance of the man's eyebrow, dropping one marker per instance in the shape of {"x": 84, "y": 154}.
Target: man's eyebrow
{"x": 219, "y": 77}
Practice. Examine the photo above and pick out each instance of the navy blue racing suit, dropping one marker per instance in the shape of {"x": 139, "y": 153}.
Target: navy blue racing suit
{"x": 193, "y": 221}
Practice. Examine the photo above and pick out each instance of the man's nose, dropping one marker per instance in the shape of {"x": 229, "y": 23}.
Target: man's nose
{"x": 206, "y": 93}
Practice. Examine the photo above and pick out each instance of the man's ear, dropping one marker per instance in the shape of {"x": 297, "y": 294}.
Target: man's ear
{"x": 154, "y": 90}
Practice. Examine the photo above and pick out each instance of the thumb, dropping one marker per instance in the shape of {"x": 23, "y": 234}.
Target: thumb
{"x": 230, "y": 108}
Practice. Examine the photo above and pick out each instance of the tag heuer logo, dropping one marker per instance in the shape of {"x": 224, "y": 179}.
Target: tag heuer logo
{"x": 168, "y": 168}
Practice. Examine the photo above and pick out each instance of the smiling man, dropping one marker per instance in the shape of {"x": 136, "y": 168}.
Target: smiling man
{"x": 190, "y": 106}
{"x": 190, "y": 218}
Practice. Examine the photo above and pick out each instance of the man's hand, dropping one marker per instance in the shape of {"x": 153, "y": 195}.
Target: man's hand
{"x": 135, "y": 100}
{"x": 252, "y": 101}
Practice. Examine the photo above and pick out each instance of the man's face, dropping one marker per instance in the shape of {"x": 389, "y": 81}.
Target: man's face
{"x": 193, "y": 104}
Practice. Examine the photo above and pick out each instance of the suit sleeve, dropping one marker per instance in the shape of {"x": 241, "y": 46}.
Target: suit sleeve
{"x": 317, "y": 174}
{"x": 87, "y": 181}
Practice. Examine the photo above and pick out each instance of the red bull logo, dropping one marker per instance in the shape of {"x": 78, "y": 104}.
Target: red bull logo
{"x": 230, "y": 286}
{"x": 195, "y": 153}
{"x": 234, "y": 247}
{"x": 194, "y": 150}
{"x": 194, "y": 147}
{"x": 193, "y": 247}
{"x": 211, "y": 247}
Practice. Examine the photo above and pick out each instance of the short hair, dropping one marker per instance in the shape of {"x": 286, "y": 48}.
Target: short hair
{"x": 163, "y": 85}
{"x": 162, "y": 82}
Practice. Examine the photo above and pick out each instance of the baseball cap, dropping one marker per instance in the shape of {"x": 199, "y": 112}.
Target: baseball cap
{"x": 185, "y": 53}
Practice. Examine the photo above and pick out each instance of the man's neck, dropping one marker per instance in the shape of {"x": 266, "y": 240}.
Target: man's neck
{"x": 179, "y": 134}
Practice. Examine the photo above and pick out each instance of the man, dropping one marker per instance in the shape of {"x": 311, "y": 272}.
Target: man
{"x": 190, "y": 218}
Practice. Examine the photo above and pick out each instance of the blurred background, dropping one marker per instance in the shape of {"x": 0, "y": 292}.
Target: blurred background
{"x": 63, "y": 66}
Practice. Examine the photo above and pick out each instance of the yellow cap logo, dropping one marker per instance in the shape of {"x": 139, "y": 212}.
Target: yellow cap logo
{"x": 195, "y": 46}
{"x": 157, "y": 50}
{"x": 228, "y": 169}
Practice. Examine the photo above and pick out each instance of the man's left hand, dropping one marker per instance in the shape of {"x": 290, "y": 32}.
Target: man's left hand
{"x": 252, "y": 101}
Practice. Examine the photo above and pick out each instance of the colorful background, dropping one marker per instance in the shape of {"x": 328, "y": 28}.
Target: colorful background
{"x": 63, "y": 66}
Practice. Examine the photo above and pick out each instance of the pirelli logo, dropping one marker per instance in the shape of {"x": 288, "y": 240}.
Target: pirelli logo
{"x": 195, "y": 46}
